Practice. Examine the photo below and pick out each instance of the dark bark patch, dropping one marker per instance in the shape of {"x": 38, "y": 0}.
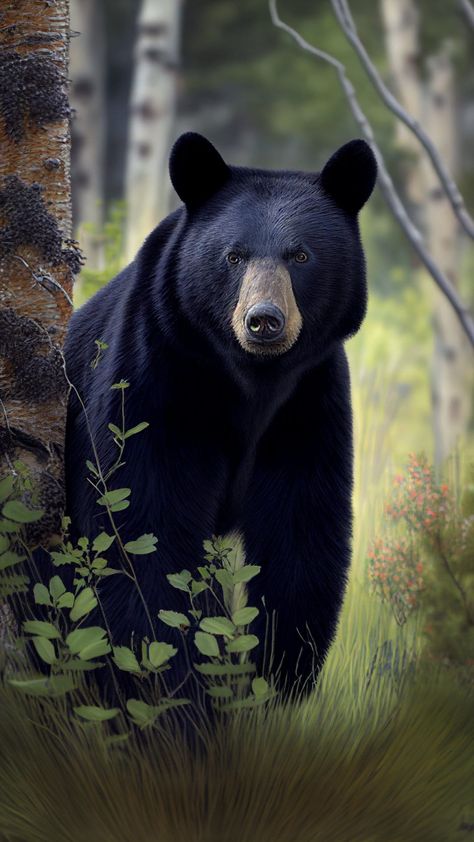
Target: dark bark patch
{"x": 83, "y": 87}
{"x": 27, "y": 221}
{"x": 31, "y": 88}
{"x": 51, "y": 164}
{"x": 83, "y": 179}
{"x": 153, "y": 29}
{"x": 146, "y": 111}
{"x": 144, "y": 150}
{"x": 436, "y": 194}
{"x": 157, "y": 56}
{"x": 36, "y": 365}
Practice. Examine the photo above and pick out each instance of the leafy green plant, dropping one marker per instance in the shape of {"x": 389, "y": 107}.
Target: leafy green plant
{"x": 68, "y": 636}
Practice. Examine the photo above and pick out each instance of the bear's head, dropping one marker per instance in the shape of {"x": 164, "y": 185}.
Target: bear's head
{"x": 270, "y": 263}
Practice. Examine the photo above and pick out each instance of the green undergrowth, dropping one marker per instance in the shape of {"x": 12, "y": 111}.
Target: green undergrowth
{"x": 381, "y": 751}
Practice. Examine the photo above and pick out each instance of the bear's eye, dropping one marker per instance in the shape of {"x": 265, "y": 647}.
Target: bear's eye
{"x": 233, "y": 257}
{"x": 301, "y": 257}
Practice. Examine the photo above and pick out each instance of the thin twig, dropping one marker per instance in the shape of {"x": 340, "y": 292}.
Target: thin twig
{"x": 346, "y": 21}
{"x": 468, "y": 10}
{"x": 385, "y": 182}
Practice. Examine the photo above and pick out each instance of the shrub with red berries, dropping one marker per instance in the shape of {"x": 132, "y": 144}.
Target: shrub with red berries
{"x": 426, "y": 558}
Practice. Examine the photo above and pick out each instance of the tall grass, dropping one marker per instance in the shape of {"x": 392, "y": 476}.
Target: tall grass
{"x": 381, "y": 752}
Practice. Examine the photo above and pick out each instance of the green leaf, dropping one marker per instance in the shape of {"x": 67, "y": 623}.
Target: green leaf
{"x": 10, "y": 585}
{"x": 4, "y": 543}
{"x": 9, "y": 527}
{"x": 220, "y": 692}
{"x": 41, "y": 628}
{"x": 119, "y": 507}
{"x": 260, "y": 687}
{"x": 143, "y": 545}
{"x": 80, "y": 638}
{"x": 99, "y": 563}
{"x": 56, "y": 587}
{"x": 6, "y": 487}
{"x": 173, "y": 619}
{"x": 56, "y": 685}
{"x": 243, "y": 644}
{"x": 95, "y": 650}
{"x": 45, "y": 649}
{"x": 224, "y": 578}
{"x": 145, "y": 715}
{"x": 82, "y": 666}
{"x": 180, "y": 580}
{"x": 117, "y": 495}
{"x": 225, "y": 669}
{"x": 41, "y": 594}
{"x": 102, "y": 542}
{"x": 198, "y": 587}
{"x": 66, "y": 600}
{"x": 160, "y": 653}
{"x": 9, "y": 559}
{"x": 17, "y": 511}
{"x": 134, "y": 430}
{"x": 218, "y": 625}
{"x": 207, "y": 644}
{"x": 125, "y": 659}
{"x": 96, "y": 714}
{"x": 245, "y": 573}
{"x": 84, "y": 603}
{"x": 108, "y": 571}
{"x": 115, "y": 430}
{"x": 122, "y": 384}
{"x": 92, "y": 468}
{"x": 59, "y": 559}
{"x": 141, "y": 713}
{"x": 244, "y": 616}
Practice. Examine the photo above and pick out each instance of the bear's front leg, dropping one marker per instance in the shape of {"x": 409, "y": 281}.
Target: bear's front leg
{"x": 297, "y": 524}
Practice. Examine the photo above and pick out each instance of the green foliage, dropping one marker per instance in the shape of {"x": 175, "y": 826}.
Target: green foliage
{"x": 91, "y": 280}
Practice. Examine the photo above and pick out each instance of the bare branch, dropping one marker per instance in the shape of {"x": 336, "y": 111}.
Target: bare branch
{"x": 346, "y": 21}
{"x": 468, "y": 10}
{"x": 385, "y": 182}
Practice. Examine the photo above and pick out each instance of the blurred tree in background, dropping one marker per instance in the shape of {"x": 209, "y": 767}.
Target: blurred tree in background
{"x": 264, "y": 102}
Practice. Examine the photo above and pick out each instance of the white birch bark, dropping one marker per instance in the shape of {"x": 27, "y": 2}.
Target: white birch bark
{"x": 152, "y": 115}
{"x": 452, "y": 363}
{"x": 433, "y": 103}
{"x": 88, "y": 127}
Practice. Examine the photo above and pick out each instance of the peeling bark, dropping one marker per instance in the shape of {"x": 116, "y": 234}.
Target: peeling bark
{"x": 38, "y": 259}
{"x": 152, "y": 114}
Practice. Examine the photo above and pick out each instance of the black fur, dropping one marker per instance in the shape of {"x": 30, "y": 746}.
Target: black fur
{"x": 258, "y": 444}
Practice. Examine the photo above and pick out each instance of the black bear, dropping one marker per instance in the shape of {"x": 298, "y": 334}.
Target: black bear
{"x": 229, "y": 326}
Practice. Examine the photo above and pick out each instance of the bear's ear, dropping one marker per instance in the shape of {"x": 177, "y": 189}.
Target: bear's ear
{"x": 349, "y": 175}
{"x": 196, "y": 169}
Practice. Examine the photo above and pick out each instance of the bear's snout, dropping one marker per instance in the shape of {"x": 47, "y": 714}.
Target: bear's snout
{"x": 266, "y": 319}
{"x": 265, "y": 323}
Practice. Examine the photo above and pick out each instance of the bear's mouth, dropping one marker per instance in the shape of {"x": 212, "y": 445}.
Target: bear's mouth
{"x": 266, "y": 319}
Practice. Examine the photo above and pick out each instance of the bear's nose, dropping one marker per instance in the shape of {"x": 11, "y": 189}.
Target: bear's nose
{"x": 265, "y": 322}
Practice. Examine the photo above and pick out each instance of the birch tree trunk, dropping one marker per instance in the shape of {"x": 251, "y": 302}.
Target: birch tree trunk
{"x": 152, "y": 114}
{"x": 452, "y": 363}
{"x": 37, "y": 258}
{"x": 88, "y": 126}
{"x": 433, "y": 103}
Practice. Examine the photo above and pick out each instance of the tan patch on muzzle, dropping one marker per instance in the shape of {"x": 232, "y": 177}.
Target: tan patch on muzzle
{"x": 267, "y": 281}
